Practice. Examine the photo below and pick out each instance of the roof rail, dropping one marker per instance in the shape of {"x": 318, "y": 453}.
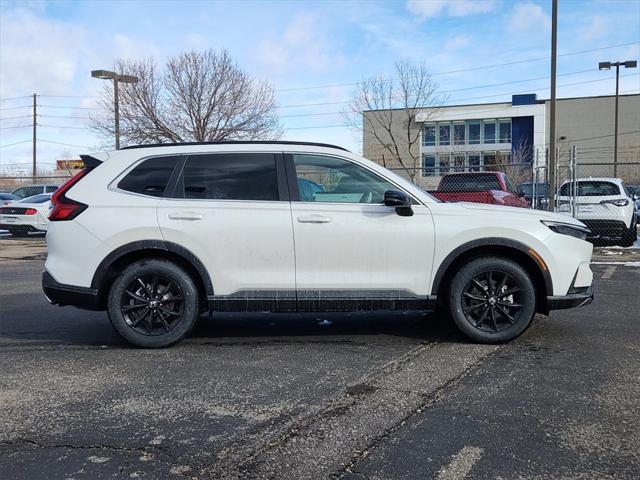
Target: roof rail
{"x": 234, "y": 142}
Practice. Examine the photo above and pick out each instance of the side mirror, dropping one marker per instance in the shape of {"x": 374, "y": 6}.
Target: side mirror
{"x": 636, "y": 197}
{"x": 400, "y": 201}
{"x": 520, "y": 193}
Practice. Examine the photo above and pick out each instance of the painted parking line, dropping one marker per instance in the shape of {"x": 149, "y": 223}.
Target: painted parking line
{"x": 461, "y": 464}
{"x": 609, "y": 271}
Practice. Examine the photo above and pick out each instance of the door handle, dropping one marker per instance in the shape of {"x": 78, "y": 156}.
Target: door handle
{"x": 186, "y": 216}
{"x": 314, "y": 219}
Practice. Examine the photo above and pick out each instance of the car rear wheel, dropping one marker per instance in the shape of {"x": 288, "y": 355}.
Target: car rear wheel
{"x": 492, "y": 300}
{"x": 153, "y": 303}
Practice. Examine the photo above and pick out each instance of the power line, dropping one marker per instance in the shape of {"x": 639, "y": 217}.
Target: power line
{"x": 17, "y": 126}
{"x": 6, "y": 99}
{"x": 15, "y": 108}
{"x": 462, "y": 70}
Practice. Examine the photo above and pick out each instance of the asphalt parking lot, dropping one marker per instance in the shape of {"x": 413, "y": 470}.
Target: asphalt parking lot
{"x": 384, "y": 396}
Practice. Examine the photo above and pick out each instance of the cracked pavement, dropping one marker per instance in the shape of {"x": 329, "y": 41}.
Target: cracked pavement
{"x": 380, "y": 396}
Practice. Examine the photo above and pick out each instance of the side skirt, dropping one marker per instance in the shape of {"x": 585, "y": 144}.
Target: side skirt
{"x": 281, "y": 301}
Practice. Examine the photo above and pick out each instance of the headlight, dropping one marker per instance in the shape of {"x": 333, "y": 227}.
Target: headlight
{"x": 568, "y": 229}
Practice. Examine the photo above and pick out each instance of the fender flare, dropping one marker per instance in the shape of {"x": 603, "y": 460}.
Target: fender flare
{"x": 492, "y": 242}
{"x": 159, "y": 245}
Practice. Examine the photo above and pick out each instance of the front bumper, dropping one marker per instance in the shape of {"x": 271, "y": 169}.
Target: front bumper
{"x": 61, "y": 295}
{"x": 571, "y": 300}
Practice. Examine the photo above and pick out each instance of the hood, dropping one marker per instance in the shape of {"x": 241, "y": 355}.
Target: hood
{"x": 516, "y": 211}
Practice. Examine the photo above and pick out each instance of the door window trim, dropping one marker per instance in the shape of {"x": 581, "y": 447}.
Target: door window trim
{"x": 292, "y": 180}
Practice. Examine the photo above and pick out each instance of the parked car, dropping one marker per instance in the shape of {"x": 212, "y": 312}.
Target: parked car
{"x": 541, "y": 194}
{"x": 480, "y": 187}
{"x": 31, "y": 190}
{"x": 7, "y": 198}
{"x": 634, "y": 193}
{"x": 604, "y": 206}
{"x": 27, "y": 215}
{"x": 158, "y": 235}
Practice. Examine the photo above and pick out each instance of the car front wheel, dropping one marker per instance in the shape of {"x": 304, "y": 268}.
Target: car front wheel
{"x": 153, "y": 303}
{"x": 492, "y": 300}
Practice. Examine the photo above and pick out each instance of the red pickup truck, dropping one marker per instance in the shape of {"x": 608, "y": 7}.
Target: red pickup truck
{"x": 479, "y": 187}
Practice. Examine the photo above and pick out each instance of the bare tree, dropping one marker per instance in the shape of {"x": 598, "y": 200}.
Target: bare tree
{"x": 384, "y": 109}
{"x": 197, "y": 96}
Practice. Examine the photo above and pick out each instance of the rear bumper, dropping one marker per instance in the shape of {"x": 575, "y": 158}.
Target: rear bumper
{"x": 61, "y": 295}
{"x": 571, "y": 300}
{"x": 605, "y": 229}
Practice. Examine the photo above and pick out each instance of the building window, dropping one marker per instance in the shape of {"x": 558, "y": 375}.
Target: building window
{"x": 505, "y": 131}
{"x": 444, "y": 163}
{"x": 428, "y": 165}
{"x": 429, "y": 135}
{"x": 489, "y": 132}
{"x": 474, "y": 133}
{"x": 458, "y": 134}
{"x": 474, "y": 163}
{"x": 459, "y": 163}
{"x": 444, "y": 134}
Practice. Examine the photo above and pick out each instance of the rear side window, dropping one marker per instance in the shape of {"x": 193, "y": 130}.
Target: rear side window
{"x": 231, "y": 176}
{"x": 51, "y": 189}
{"x": 151, "y": 177}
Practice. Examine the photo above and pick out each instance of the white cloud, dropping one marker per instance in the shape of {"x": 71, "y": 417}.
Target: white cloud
{"x": 302, "y": 44}
{"x": 38, "y": 54}
{"x": 597, "y": 28}
{"x": 526, "y": 16}
{"x": 456, "y": 42}
{"x": 424, "y": 9}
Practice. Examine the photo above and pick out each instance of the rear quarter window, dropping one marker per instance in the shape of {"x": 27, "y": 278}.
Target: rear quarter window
{"x": 150, "y": 177}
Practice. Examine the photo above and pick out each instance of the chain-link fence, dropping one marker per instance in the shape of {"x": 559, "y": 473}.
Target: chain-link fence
{"x": 586, "y": 189}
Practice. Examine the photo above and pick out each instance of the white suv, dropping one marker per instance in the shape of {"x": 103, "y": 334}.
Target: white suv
{"x": 158, "y": 235}
{"x": 605, "y": 206}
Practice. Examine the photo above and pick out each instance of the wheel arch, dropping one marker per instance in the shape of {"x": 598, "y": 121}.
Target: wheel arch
{"x": 524, "y": 255}
{"x": 117, "y": 260}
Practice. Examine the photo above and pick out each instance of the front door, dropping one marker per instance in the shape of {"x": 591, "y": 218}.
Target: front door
{"x": 348, "y": 244}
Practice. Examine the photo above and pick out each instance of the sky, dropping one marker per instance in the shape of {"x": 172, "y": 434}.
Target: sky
{"x": 312, "y": 52}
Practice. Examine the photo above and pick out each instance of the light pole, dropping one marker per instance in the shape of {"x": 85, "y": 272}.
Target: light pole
{"x": 117, "y": 78}
{"x": 607, "y": 66}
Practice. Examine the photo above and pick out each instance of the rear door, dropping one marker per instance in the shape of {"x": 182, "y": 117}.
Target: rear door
{"x": 231, "y": 210}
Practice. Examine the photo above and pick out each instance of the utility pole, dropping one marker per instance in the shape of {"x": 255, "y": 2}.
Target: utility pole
{"x": 552, "y": 110}
{"x": 33, "y": 167}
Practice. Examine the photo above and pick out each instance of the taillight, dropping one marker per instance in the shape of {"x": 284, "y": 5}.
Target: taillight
{"x": 64, "y": 208}
{"x": 30, "y": 211}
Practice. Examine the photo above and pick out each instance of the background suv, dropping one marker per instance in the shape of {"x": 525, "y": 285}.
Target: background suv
{"x": 157, "y": 235}
{"x": 605, "y": 206}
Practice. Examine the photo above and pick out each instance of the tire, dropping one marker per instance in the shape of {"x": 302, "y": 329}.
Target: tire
{"x": 153, "y": 303}
{"x": 19, "y": 231}
{"x": 485, "y": 316}
{"x": 630, "y": 235}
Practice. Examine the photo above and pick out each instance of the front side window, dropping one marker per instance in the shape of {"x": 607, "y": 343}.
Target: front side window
{"x": 231, "y": 176}
{"x": 331, "y": 179}
{"x": 150, "y": 177}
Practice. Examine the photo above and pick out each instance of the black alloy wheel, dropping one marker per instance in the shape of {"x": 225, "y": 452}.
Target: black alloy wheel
{"x": 492, "y": 299}
{"x": 152, "y": 304}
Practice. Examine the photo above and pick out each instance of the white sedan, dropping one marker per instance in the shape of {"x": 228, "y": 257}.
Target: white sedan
{"x": 30, "y": 214}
